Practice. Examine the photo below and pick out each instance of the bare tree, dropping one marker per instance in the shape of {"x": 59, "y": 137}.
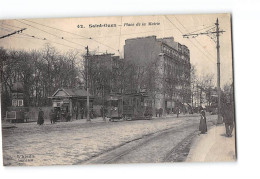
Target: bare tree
{"x": 41, "y": 73}
{"x": 206, "y": 85}
{"x": 194, "y": 82}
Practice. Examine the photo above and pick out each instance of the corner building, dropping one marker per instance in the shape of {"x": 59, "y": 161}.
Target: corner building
{"x": 172, "y": 61}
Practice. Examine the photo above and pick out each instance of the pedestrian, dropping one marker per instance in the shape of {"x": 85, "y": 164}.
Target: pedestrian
{"x": 40, "y": 117}
{"x": 67, "y": 116}
{"x": 228, "y": 119}
{"x": 52, "y": 116}
{"x": 82, "y": 113}
{"x": 168, "y": 111}
{"x": 157, "y": 112}
{"x": 178, "y": 111}
{"x": 203, "y": 123}
{"x": 26, "y": 116}
{"x": 76, "y": 112}
{"x": 91, "y": 114}
{"x": 58, "y": 116}
{"x": 148, "y": 112}
{"x": 55, "y": 116}
{"x": 160, "y": 112}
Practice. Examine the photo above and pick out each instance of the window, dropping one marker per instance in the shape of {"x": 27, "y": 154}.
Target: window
{"x": 20, "y": 102}
{"x": 17, "y": 102}
{"x": 14, "y": 102}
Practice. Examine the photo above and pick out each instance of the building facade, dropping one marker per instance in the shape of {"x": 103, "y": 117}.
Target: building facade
{"x": 170, "y": 63}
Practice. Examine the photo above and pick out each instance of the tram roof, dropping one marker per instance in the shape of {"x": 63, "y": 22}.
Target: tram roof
{"x": 116, "y": 96}
{"x": 138, "y": 94}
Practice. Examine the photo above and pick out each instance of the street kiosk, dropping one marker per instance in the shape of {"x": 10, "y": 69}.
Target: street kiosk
{"x": 71, "y": 103}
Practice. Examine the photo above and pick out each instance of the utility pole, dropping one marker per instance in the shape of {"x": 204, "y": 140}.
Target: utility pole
{"x": 103, "y": 101}
{"x": 13, "y": 33}
{"x": 87, "y": 82}
{"x": 218, "y": 68}
{"x": 216, "y": 34}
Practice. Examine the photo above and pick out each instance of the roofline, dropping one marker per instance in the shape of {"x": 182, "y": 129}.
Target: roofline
{"x": 90, "y": 97}
{"x": 59, "y": 90}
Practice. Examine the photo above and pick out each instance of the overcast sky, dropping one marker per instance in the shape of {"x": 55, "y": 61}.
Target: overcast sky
{"x": 112, "y": 39}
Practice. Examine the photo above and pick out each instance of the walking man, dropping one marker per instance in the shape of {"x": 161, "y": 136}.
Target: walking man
{"x": 178, "y": 111}
{"x": 76, "y": 112}
{"x": 40, "y": 117}
{"x": 160, "y": 112}
{"x": 82, "y": 112}
{"x": 52, "y": 116}
{"x": 55, "y": 116}
{"x": 228, "y": 118}
{"x": 157, "y": 112}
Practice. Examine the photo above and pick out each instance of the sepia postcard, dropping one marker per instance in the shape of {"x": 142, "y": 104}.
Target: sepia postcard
{"x": 123, "y": 89}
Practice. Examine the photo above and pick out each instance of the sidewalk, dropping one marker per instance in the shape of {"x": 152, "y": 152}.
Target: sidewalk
{"x": 213, "y": 147}
{"x": 175, "y": 116}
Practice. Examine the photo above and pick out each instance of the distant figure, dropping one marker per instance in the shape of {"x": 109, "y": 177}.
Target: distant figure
{"x": 92, "y": 114}
{"x": 82, "y": 112}
{"x": 55, "y": 116}
{"x": 148, "y": 112}
{"x": 40, "y": 117}
{"x": 178, "y": 111}
{"x": 26, "y": 116}
{"x": 228, "y": 119}
{"x": 67, "y": 116}
{"x": 184, "y": 111}
{"x": 160, "y": 112}
{"x": 157, "y": 112}
{"x": 52, "y": 116}
{"x": 58, "y": 116}
{"x": 76, "y": 112}
{"x": 203, "y": 123}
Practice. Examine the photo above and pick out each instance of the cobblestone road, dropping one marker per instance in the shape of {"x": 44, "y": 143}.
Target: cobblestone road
{"x": 78, "y": 142}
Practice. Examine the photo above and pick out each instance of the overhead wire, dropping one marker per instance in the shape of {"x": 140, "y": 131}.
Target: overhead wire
{"x": 196, "y": 39}
{"x": 189, "y": 40}
{"x": 10, "y": 32}
{"x": 98, "y": 36}
{"x": 90, "y": 38}
{"x": 11, "y": 25}
{"x": 25, "y": 35}
{"x": 198, "y": 29}
{"x": 6, "y": 29}
{"x": 52, "y": 34}
{"x": 33, "y": 36}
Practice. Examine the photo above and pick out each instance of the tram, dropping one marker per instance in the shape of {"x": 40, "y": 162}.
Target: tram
{"x": 114, "y": 107}
{"x": 132, "y": 106}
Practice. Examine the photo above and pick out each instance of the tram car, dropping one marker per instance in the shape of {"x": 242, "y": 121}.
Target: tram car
{"x": 133, "y": 106}
{"x": 114, "y": 107}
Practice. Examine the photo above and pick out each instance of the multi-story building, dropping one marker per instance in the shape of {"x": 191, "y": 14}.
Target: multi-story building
{"x": 171, "y": 62}
{"x": 103, "y": 74}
